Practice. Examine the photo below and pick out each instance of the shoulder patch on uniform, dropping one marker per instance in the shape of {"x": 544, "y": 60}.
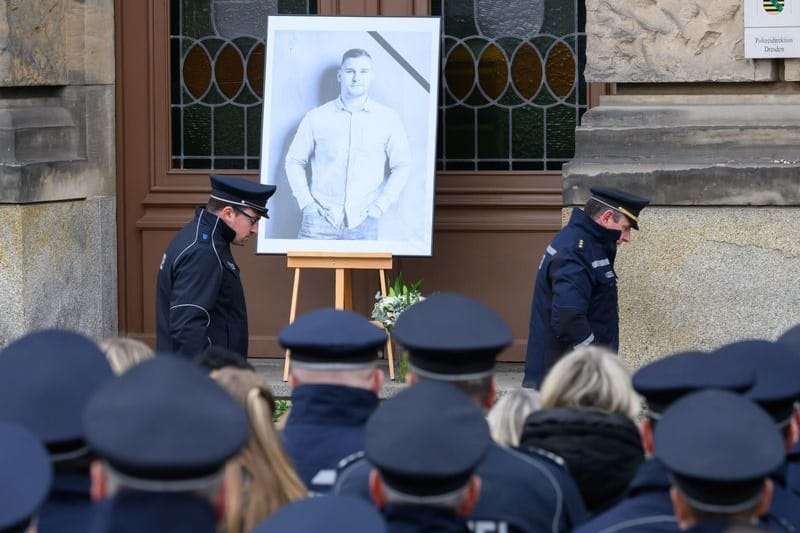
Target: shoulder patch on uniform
{"x": 581, "y": 244}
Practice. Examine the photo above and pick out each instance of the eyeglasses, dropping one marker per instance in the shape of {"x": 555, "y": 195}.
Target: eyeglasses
{"x": 253, "y": 220}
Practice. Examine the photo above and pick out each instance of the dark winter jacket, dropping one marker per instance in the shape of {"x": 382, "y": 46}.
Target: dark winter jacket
{"x": 603, "y": 450}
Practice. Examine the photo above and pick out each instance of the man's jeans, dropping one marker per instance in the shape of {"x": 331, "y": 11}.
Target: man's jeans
{"x": 315, "y": 226}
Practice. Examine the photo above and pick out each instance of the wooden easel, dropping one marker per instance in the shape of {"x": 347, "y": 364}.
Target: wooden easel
{"x": 343, "y": 263}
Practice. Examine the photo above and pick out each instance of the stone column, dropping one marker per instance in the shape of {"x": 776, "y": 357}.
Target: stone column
{"x": 57, "y": 174}
{"x": 714, "y": 140}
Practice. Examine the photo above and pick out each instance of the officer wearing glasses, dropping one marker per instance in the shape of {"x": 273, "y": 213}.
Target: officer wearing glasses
{"x": 200, "y": 300}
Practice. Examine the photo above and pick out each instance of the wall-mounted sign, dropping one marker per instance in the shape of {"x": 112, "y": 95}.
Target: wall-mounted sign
{"x": 771, "y": 28}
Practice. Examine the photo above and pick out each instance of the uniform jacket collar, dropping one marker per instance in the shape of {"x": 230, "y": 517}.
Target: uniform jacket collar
{"x": 607, "y": 238}
{"x": 213, "y": 224}
{"x": 136, "y": 512}
{"x": 408, "y": 519}
{"x": 651, "y": 477}
{"x": 331, "y": 404}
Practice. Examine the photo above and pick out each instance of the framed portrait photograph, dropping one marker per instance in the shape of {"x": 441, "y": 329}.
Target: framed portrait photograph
{"x": 349, "y": 134}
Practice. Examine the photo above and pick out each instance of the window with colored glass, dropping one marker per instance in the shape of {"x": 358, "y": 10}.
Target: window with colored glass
{"x": 217, "y": 79}
{"x": 512, "y": 88}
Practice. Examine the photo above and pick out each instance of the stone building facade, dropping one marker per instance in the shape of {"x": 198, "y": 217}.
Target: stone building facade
{"x": 713, "y": 139}
{"x": 57, "y": 150}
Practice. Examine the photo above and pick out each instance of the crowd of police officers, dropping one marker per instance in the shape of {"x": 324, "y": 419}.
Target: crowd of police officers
{"x": 83, "y": 450}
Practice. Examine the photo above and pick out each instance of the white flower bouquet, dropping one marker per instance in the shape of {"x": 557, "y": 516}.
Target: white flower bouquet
{"x": 401, "y": 296}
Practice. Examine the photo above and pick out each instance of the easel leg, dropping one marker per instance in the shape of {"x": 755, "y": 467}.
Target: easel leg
{"x": 389, "y": 351}
{"x": 292, "y": 314}
{"x": 389, "y": 355}
{"x": 344, "y": 289}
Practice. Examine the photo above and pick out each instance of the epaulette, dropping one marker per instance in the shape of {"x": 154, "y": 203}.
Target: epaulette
{"x": 581, "y": 245}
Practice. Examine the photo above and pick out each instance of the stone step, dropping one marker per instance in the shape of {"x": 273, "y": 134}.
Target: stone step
{"x": 708, "y": 143}
{"x": 690, "y": 149}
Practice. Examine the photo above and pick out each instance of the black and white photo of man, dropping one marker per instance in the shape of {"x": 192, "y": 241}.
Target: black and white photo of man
{"x": 358, "y": 156}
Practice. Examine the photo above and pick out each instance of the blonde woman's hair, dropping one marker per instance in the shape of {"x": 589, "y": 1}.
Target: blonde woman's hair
{"x": 124, "y": 352}
{"x": 590, "y": 378}
{"x": 260, "y": 479}
{"x": 507, "y": 417}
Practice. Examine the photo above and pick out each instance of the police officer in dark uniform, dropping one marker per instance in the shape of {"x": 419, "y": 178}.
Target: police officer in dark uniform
{"x": 455, "y": 339}
{"x": 46, "y": 379}
{"x": 335, "y": 385}
{"x": 25, "y": 477}
{"x": 575, "y": 295}
{"x": 331, "y": 514}
{"x": 777, "y": 391}
{"x": 647, "y": 507}
{"x": 425, "y": 444}
{"x": 791, "y": 339}
{"x": 719, "y": 449}
{"x": 199, "y": 295}
{"x": 164, "y": 431}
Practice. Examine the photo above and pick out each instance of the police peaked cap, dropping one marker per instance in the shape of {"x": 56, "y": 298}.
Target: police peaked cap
{"x": 776, "y": 368}
{"x": 427, "y": 440}
{"x": 791, "y": 338}
{"x": 626, "y": 203}
{"x": 665, "y": 380}
{"x": 451, "y": 337}
{"x": 331, "y": 513}
{"x": 332, "y": 339}
{"x": 46, "y": 380}
{"x": 25, "y": 475}
{"x": 718, "y": 447}
{"x": 241, "y": 192}
{"x": 162, "y": 422}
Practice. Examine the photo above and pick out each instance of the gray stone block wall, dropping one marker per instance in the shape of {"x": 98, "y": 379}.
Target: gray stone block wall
{"x": 700, "y": 277}
{"x": 59, "y": 267}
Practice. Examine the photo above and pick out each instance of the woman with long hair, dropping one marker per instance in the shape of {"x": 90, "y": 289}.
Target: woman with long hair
{"x": 260, "y": 479}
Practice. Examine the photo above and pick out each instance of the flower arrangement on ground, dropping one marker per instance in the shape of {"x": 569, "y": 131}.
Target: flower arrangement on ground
{"x": 401, "y": 296}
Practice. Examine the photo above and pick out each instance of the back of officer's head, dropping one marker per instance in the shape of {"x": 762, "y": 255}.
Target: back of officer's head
{"x": 425, "y": 444}
{"x": 791, "y": 338}
{"x": 25, "y": 478}
{"x": 46, "y": 379}
{"x": 334, "y": 347}
{"x": 450, "y": 337}
{"x": 719, "y": 449}
{"x": 776, "y": 388}
{"x": 164, "y": 427}
{"x": 666, "y": 380}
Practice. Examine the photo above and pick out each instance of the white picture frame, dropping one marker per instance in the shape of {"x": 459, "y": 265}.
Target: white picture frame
{"x": 303, "y": 57}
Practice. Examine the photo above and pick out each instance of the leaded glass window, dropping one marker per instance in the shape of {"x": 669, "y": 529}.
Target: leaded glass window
{"x": 512, "y": 89}
{"x": 217, "y": 79}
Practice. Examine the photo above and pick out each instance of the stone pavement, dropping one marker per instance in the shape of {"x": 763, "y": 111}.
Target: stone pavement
{"x": 509, "y": 376}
